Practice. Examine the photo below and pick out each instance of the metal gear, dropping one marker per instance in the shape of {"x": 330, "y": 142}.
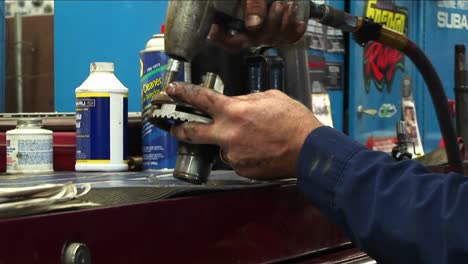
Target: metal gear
{"x": 167, "y": 112}
{"x": 194, "y": 162}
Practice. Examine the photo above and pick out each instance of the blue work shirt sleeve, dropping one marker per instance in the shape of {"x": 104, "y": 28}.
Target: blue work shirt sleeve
{"x": 397, "y": 212}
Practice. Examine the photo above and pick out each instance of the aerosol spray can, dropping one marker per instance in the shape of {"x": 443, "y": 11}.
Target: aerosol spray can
{"x": 410, "y": 117}
{"x": 159, "y": 148}
{"x": 101, "y": 121}
{"x": 29, "y": 147}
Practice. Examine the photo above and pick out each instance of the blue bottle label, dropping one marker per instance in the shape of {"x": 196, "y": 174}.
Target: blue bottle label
{"x": 93, "y": 127}
{"x": 125, "y": 128}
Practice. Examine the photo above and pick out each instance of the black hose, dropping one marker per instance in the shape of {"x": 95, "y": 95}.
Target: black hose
{"x": 439, "y": 100}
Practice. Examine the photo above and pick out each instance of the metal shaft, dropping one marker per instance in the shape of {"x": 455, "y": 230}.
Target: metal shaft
{"x": 172, "y": 71}
{"x": 194, "y": 162}
{"x": 297, "y": 72}
{"x": 401, "y": 131}
{"x": 461, "y": 93}
{"x": 209, "y": 81}
{"x": 19, "y": 61}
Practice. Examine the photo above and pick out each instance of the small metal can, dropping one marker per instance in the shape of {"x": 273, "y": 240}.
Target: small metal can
{"x": 29, "y": 147}
{"x": 159, "y": 148}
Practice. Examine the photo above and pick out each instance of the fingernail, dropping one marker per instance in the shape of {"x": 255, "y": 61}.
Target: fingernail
{"x": 253, "y": 21}
{"x": 301, "y": 27}
{"x": 278, "y": 7}
{"x": 213, "y": 31}
{"x": 291, "y": 7}
{"x": 171, "y": 88}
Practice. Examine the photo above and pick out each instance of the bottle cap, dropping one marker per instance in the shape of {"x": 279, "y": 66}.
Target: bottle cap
{"x": 406, "y": 91}
{"x": 101, "y": 67}
{"x": 29, "y": 123}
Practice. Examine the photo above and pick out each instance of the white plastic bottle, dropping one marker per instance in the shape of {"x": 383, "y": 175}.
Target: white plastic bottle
{"x": 101, "y": 121}
{"x": 29, "y": 147}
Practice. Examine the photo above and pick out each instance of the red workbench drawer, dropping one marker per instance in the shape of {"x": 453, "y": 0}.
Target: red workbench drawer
{"x": 64, "y": 151}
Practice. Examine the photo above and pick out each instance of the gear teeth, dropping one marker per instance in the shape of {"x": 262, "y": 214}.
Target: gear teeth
{"x": 169, "y": 113}
{"x": 169, "y": 117}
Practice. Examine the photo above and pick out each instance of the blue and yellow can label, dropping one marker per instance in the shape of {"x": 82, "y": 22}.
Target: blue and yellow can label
{"x": 159, "y": 147}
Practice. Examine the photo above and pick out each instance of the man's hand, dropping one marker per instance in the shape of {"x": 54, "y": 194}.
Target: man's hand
{"x": 260, "y": 134}
{"x": 276, "y": 26}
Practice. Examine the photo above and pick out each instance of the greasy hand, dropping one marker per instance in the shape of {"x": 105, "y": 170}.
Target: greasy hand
{"x": 260, "y": 134}
{"x": 276, "y": 26}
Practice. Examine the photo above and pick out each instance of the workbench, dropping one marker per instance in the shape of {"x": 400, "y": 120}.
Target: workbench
{"x": 148, "y": 217}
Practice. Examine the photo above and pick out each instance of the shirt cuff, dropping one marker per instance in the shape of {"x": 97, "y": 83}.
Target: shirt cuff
{"x": 322, "y": 160}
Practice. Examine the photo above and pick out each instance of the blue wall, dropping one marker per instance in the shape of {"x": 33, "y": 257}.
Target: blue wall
{"x": 438, "y": 41}
{"x": 440, "y": 26}
{"x": 365, "y": 127}
{"x": 115, "y": 31}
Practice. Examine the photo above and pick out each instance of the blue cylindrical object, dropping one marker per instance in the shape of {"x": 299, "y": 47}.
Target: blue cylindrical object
{"x": 159, "y": 148}
{"x": 255, "y": 82}
{"x": 276, "y": 69}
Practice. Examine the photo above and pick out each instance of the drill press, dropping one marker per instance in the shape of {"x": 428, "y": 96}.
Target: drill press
{"x": 187, "y": 26}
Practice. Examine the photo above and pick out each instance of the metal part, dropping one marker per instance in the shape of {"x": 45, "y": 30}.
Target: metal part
{"x": 361, "y": 111}
{"x": 194, "y": 162}
{"x": 172, "y": 71}
{"x": 188, "y": 23}
{"x": 209, "y": 80}
{"x": 401, "y": 131}
{"x": 76, "y": 253}
{"x": 277, "y": 73}
{"x": 400, "y": 151}
{"x": 264, "y": 73}
{"x": 336, "y": 18}
{"x": 297, "y": 71}
{"x": 19, "y": 61}
{"x": 29, "y": 123}
{"x": 135, "y": 163}
{"x": 174, "y": 112}
{"x": 365, "y": 260}
{"x": 254, "y": 75}
{"x": 364, "y": 29}
{"x": 461, "y": 93}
